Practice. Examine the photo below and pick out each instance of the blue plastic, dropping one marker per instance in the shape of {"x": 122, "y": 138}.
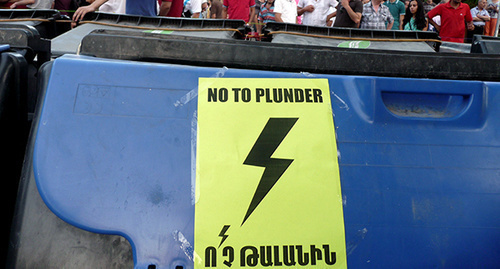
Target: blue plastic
{"x": 4, "y": 47}
{"x": 419, "y": 161}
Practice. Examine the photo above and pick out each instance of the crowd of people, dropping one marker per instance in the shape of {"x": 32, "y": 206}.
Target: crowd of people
{"x": 454, "y": 20}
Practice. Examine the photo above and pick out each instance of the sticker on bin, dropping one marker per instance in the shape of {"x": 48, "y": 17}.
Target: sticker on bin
{"x": 267, "y": 183}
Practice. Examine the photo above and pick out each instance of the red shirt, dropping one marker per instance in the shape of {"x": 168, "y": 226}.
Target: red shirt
{"x": 176, "y": 8}
{"x": 452, "y": 21}
{"x": 238, "y": 9}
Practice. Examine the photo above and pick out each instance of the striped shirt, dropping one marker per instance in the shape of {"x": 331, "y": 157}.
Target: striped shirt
{"x": 375, "y": 20}
{"x": 266, "y": 14}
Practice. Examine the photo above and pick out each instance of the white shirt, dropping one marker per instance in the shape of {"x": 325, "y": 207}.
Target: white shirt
{"x": 475, "y": 11}
{"x": 113, "y": 6}
{"x": 321, "y": 11}
{"x": 41, "y": 4}
{"x": 287, "y": 9}
{"x": 193, "y": 5}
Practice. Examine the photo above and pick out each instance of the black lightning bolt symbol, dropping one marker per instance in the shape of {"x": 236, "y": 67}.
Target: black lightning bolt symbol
{"x": 269, "y": 140}
{"x": 223, "y": 234}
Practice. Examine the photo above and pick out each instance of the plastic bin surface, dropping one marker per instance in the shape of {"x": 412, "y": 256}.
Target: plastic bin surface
{"x": 284, "y": 38}
{"x": 69, "y": 41}
{"x": 13, "y": 130}
{"x": 419, "y": 161}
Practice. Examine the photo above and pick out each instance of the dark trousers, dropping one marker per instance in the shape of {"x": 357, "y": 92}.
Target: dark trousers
{"x": 478, "y": 30}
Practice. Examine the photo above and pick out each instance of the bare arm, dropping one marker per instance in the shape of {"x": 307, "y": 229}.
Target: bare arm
{"x": 252, "y": 15}
{"x": 431, "y": 21}
{"x": 482, "y": 18}
{"x": 81, "y": 11}
{"x": 330, "y": 16}
{"x": 401, "y": 18}
{"x": 426, "y": 25}
{"x": 309, "y": 8}
{"x": 389, "y": 26}
{"x": 470, "y": 26}
{"x": 165, "y": 8}
{"x": 22, "y": 2}
{"x": 277, "y": 17}
{"x": 355, "y": 16}
{"x": 224, "y": 12}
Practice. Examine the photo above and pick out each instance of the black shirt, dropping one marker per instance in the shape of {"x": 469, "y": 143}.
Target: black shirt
{"x": 342, "y": 19}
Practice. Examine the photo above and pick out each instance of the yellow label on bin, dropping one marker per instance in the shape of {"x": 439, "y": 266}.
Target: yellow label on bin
{"x": 267, "y": 178}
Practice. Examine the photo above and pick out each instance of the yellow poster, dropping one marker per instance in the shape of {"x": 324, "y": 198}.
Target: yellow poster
{"x": 267, "y": 178}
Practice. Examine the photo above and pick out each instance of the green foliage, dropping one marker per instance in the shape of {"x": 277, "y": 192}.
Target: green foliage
{"x": 471, "y": 3}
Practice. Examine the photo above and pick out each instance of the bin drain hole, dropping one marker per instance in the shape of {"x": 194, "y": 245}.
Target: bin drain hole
{"x": 179, "y": 267}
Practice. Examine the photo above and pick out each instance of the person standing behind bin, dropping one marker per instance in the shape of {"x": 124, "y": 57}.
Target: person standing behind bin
{"x": 397, "y": 9}
{"x": 492, "y": 8}
{"x": 113, "y": 6}
{"x": 204, "y": 9}
{"x": 132, "y": 7}
{"x": 453, "y": 14}
{"x": 479, "y": 18}
{"x": 414, "y": 19}
{"x": 215, "y": 9}
{"x": 192, "y": 8}
{"x": 428, "y": 6}
{"x": 348, "y": 14}
{"x": 172, "y": 8}
{"x": 254, "y": 21}
{"x": 266, "y": 14}
{"x": 32, "y": 4}
{"x": 315, "y": 11}
{"x": 238, "y": 9}
{"x": 9, "y": 3}
{"x": 285, "y": 11}
{"x": 376, "y": 16}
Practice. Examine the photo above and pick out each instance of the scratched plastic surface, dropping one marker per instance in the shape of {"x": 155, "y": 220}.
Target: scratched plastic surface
{"x": 419, "y": 161}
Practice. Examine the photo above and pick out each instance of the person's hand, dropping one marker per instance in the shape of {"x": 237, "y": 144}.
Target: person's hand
{"x": 344, "y": 3}
{"x": 309, "y": 8}
{"x": 17, "y": 3}
{"x": 470, "y": 26}
{"x": 80, "y": 13}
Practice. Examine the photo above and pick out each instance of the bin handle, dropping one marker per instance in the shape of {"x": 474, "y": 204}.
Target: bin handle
{"x": 460, "y": 103}
{"x": 425, "y": 105}
{"x": 4, "y": 48}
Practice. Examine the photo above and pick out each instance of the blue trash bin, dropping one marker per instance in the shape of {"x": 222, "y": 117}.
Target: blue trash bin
{"x": 115, "y": 154}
